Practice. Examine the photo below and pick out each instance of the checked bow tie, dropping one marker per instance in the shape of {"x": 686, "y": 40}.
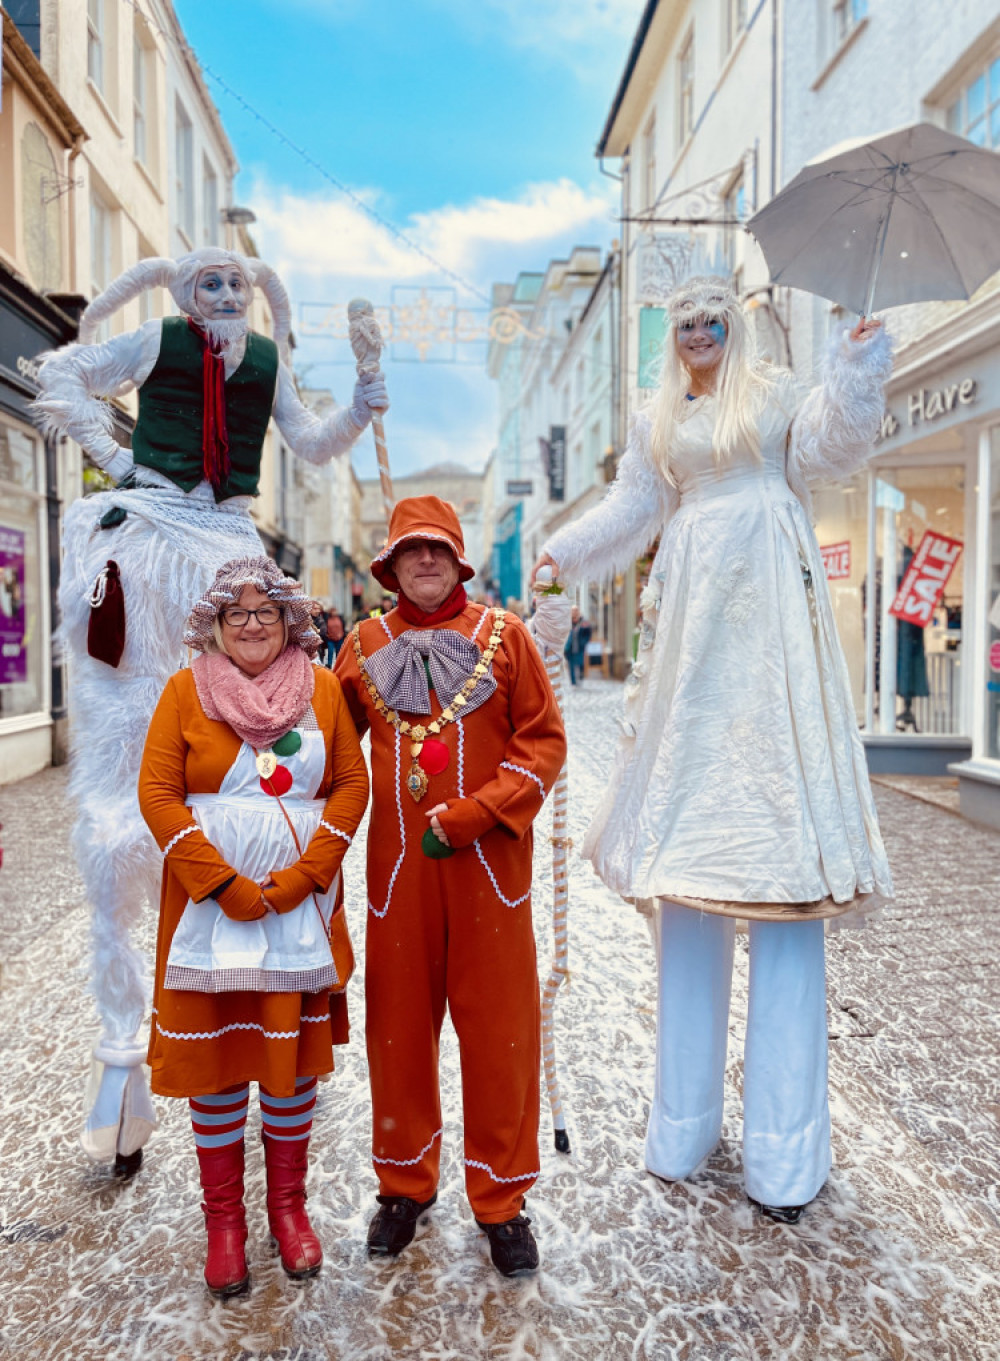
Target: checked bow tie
{"x": 401, "y": 679}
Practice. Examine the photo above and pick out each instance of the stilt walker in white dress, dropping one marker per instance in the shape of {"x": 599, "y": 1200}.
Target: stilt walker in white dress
{"x": 208, "y": 387}
{"x": 740, "y": 789}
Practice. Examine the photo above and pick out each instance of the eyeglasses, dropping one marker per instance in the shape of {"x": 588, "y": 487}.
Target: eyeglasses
{"x": 267, "y": 614}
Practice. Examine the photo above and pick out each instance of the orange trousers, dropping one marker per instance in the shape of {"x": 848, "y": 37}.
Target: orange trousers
{"x": 447, "y": 941}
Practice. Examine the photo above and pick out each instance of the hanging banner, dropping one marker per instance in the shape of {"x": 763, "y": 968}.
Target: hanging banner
{"x": 13, "y": 654}
{"x": 557, "y": 462}
{"x": 925, "y": 579}
{"x": 837, "y": 560}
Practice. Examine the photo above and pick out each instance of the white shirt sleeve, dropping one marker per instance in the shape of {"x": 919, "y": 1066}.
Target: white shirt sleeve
{"x": 313, "y": 439}
{"x": 76, "y": 381}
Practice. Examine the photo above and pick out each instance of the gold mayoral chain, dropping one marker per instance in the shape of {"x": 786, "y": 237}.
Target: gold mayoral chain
{"x": 416, "y": 779}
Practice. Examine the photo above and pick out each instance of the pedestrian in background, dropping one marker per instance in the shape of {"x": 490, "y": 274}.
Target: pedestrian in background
{"x": 576, "y": 644}
{"x": 335, "y": 635}
{"x": 252, "y": 783}
{"x": 740, "y": 788}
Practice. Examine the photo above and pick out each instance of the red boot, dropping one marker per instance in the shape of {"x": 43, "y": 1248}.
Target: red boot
{"x": 301, "y": 1254}
{"x": 222, "y": 1184}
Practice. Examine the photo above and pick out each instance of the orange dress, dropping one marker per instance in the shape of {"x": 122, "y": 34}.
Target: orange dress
{"x": 457, "y": 933}
{"x": 205, "y": 1042}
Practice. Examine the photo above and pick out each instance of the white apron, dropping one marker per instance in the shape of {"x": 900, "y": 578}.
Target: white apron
{"x": 280, "y": 952}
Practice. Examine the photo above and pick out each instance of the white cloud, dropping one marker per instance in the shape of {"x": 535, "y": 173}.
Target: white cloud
{"x": 325, "y": 236}
{"x": 562, "y": 29}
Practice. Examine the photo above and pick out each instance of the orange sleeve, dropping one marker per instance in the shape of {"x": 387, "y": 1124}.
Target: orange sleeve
{"x": 533, "y": 757}
{"x": 188, "y": 853}
{"x": 345, "y": 807}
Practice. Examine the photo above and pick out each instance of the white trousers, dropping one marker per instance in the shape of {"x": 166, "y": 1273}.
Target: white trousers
{"x": 786, "y": 1117}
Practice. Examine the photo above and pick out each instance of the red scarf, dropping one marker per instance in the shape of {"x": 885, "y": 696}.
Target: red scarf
{"x": 214, "y": 435}
{"x": 448, "y": 609}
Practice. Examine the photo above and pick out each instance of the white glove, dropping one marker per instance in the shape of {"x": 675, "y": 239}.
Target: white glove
{"x": 370, "y": 395}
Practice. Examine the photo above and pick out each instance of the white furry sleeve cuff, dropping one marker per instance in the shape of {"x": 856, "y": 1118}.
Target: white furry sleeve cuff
{"x": 637, "y": 505}
{"x": 315, "y": 440}
{"x": 76, "y": 380}
{"x": 834, "y": 430}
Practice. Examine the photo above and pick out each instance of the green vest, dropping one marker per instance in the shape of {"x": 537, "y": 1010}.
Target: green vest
{"x": 168, "y": 433}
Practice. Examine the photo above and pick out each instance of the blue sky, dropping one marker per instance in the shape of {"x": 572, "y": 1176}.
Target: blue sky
{"x": 469, "y": 124}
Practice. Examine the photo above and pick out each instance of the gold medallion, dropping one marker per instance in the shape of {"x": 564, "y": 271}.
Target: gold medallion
{"x": 416, "y": 782}
{"x": 267, "y": 764}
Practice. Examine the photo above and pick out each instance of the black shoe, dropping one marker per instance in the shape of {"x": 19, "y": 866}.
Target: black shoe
{"x": 781, "y": 1214}
{"x": 394, "y": 1224}
{"x": 512, "y": 1246}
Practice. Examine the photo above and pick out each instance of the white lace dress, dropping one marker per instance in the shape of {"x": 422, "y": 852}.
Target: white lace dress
{"x": 741, "y": 777}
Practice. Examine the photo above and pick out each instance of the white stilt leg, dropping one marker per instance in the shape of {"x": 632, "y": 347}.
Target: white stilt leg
{"x": 695, "y": 954}
{"x": 786, "y": 1117}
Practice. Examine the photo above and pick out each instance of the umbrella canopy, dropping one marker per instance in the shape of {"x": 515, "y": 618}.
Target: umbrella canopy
{"x": 910, "y": 216}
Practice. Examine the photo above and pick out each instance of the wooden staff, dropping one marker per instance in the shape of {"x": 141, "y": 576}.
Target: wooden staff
{"x": 366, "y": 342}
{"x": 550, "y": 627}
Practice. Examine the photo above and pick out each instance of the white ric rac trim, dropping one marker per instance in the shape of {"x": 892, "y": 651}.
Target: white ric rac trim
{"x": 482, "y": 620}
{"x": 485, "y": 1167}
{"x": 476, "y": 846}
{"x": 335, "y": 830}
{"x": 402, "y": 843}
{"x": 185, "y": 831}
{"x": 223, "y": 1030}
{"x": 509, "y": 765}
{"x": 410, "y": 1162}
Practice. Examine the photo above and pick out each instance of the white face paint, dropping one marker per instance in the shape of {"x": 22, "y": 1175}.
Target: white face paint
{"x": 221, "y": 294}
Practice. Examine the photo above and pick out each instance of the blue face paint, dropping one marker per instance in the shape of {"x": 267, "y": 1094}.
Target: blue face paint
{"x": 717, "y": 330}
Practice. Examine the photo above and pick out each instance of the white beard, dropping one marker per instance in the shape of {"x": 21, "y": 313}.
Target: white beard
{"x": 225, "y": 333}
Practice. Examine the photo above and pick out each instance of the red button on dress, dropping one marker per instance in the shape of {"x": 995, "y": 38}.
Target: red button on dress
{"x": 279, "y": 783}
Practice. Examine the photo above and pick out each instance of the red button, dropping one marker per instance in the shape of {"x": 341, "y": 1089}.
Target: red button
{"x": 434, "y": 757}
{"x": 279, "y": 783}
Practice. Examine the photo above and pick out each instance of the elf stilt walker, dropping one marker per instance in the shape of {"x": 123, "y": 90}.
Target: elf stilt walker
{"x": 136, "y": 559}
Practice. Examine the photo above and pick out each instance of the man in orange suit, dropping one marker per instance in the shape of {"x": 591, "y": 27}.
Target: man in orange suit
{"x": 466, "y": 742}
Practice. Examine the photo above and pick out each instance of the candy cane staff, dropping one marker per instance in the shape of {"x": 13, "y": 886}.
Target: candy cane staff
{"x": 550, "y": 626}
{"x": 740, "y": 789}
{"x": 366, "y": 342}
{"x": 140, "y": 556}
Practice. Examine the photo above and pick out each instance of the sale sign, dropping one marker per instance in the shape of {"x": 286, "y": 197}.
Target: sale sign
{"x": 925, "y": 579}
{"x": 837, "y": 560}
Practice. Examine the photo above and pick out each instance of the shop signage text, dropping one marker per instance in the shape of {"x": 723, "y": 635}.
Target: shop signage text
{"x": 837, "y": 560}
{"x": 522, "y": 487}
{"x": 926, "y": 577}
{"x": 927, "y": 404}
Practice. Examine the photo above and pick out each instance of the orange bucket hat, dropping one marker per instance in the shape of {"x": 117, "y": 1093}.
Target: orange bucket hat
{"x": 421, "y": 517}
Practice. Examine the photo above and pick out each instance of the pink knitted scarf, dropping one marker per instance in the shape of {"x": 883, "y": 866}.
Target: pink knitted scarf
{"x": 259, "y": 710}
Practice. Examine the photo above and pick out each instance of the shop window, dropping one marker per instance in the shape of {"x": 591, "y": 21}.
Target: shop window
{"x": 23, "y": 639}
{"x": 841, "y": 514}
{"x": 917, "y": 682}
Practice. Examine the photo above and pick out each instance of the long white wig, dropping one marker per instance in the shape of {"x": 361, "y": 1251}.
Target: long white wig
{"x": 742, "y": 381}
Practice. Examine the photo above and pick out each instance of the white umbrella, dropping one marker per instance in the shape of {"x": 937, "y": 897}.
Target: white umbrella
{"x": 912, "y": 215}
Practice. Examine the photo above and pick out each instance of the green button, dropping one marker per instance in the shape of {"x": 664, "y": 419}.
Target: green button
{"x": 287, "y": 745}
{"x": 434, "y": 849}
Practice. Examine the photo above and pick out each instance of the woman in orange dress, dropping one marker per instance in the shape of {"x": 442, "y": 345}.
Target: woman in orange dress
{"x": 253, "y": 784}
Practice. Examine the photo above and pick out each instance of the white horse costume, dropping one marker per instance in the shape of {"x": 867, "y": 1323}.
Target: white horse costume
{"x": 169, "y": 529}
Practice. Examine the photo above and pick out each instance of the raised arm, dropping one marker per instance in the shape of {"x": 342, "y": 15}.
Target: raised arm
{"x": 610, "y": 537}
{"x": 834, "y": 430}
{"x": 316, "y": 440}
{"x": 75, "y": 383}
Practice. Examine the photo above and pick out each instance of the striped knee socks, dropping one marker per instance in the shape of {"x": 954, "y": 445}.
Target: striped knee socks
{"x": 289, "y": 1118}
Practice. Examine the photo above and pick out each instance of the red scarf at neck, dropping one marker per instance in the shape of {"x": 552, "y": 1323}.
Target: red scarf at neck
{"x": 422, "y": 619}
{"x": 214, "y": 435}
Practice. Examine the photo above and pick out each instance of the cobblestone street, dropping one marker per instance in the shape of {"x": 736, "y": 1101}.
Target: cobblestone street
{"x": 898, "y": 1259}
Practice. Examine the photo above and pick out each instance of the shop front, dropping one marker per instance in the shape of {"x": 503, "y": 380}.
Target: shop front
{"x": 31, "y": 684}
{"x": 912, "y": 554}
